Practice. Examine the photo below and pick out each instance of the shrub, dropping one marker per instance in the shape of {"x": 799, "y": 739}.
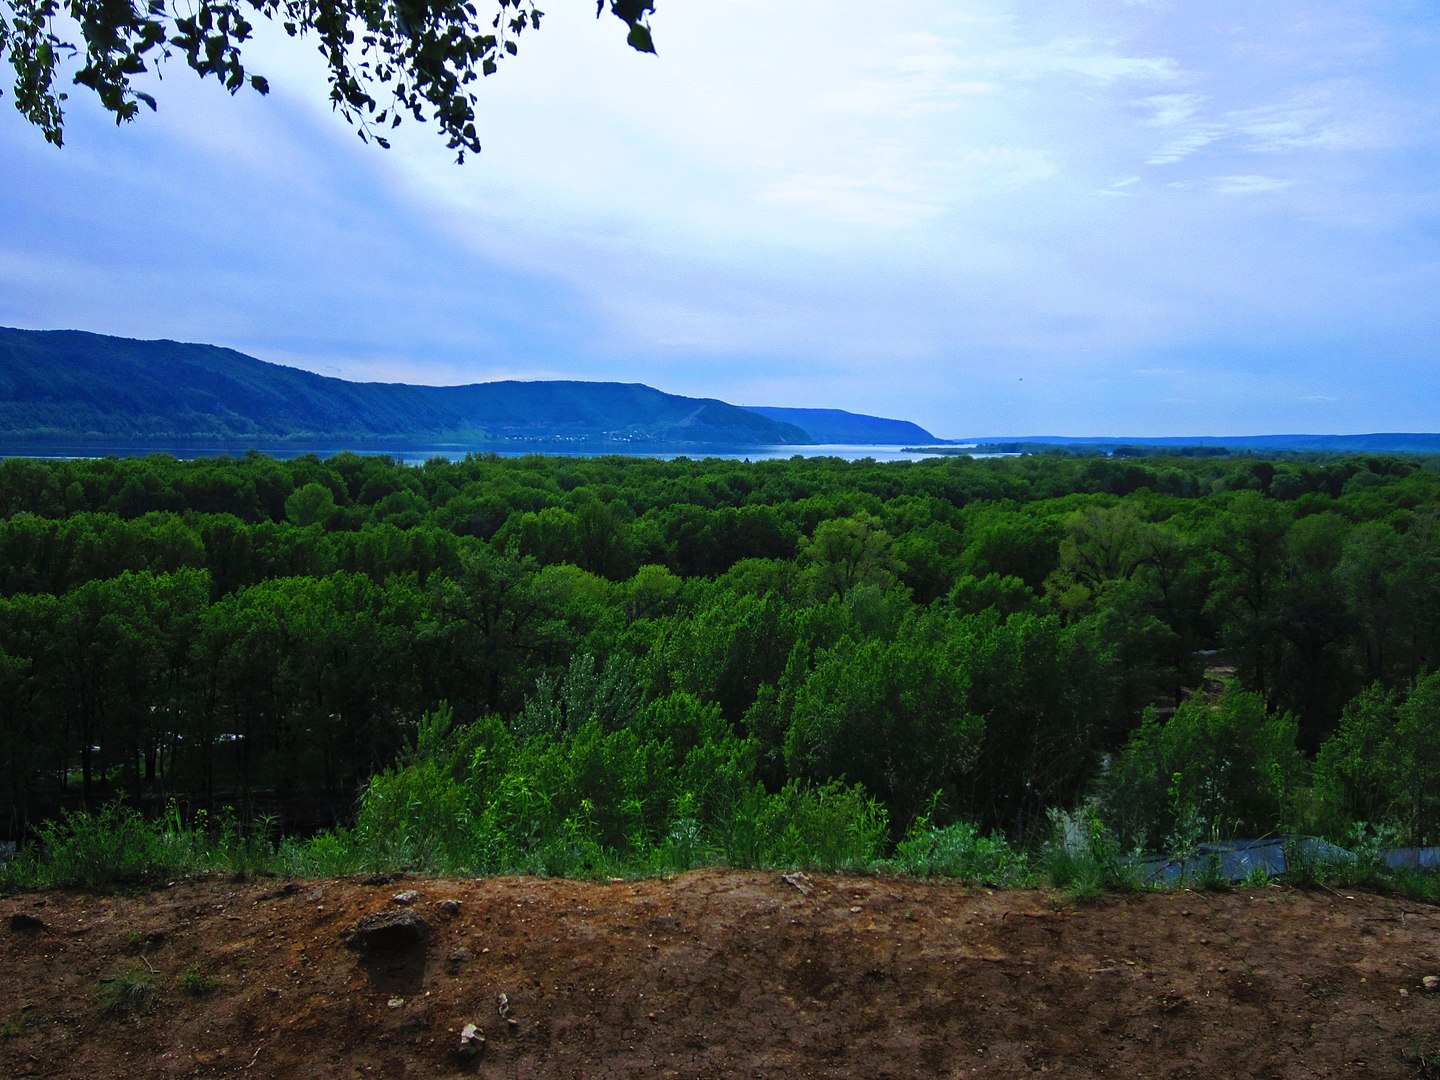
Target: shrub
{"x": 830, "y": 827}
{"x": 1084, "y": 856}
{"x": 112, "y": 847}
{"x": 1382, "y": 765}
{"x": 958, "y": 851}
{"x": 125, "y": 994}
{"x": 1222, "y": 769}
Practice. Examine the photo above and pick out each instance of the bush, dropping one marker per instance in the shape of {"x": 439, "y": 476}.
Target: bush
{"x": 125, "y": 994}
{"x": 115, "y": 846}
{"x": 1382, "y": 765}
{"x": 830, "y": 827}
{"x": 959, "y": 851}
{"x": 1084, "y": 856}
{"x": 1213, "y": 770}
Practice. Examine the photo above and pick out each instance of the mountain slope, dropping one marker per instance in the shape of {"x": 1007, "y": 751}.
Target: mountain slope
{"x": 838, "y": 426}
{"x": 72, "y": 386}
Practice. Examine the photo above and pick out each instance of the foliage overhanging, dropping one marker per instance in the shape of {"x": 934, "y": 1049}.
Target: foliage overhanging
{"x": 386, "y": 59}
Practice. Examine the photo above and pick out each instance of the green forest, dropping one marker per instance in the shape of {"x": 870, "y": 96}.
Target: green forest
{"x": 573, "y": 665}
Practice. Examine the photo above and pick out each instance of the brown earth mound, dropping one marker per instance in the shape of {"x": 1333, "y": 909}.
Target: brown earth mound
{"x": 714, "y": 974}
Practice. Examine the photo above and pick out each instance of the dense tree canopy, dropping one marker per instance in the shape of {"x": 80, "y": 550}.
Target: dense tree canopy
{"x": 386, "y": 60}
{"x": 636, "y": 653}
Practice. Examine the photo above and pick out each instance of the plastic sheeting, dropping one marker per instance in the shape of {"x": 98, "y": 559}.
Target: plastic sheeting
{"x": 1236, "y": 860}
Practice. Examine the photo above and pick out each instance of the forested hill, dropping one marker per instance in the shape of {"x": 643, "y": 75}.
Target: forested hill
{"x": 71, "y": 387}
{"x": 838, "y": 426}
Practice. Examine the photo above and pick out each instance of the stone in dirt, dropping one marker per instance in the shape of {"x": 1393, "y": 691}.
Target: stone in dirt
{"x": 22, "y": 922}
{"x": 381, "y": 879}
{"x": 409, "y": 896}
{"x": 472, "y": 1041}
{"x": 1431, "y": 982}
{"x": 387, "y": 931}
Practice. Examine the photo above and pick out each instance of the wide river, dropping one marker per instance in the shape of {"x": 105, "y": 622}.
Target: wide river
{"x": 420, "y": 455}
{"x": 747, "y": 453}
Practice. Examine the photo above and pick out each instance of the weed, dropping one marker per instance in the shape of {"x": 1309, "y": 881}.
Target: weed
{"x": 196, "y": 983}
{"x": 1083, "y": 856}
{"x": 685, "y": 848}
{"x": 125, "y": 994}
{"x": 1084, "y": 890}
{"x": 1425, "y": 1056}
{"x": 1257, "y": 877}
{"x": 958, "y": 851}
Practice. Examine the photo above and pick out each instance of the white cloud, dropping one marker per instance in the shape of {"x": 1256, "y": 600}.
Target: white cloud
{"x": 1170, "y": 110}
{"x": 850, "y": 199}
{"x": 1097, "y": 61}
{"x": 1181, "y": 148}
{"x": 1120, "y": 188}
{"x": 1248, "y": 185}
{"x": 939, "y": 190}
{"x": 1326, "y": 117}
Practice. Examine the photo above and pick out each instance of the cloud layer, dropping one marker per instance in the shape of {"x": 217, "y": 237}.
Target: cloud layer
{"x": 985, "y": 216}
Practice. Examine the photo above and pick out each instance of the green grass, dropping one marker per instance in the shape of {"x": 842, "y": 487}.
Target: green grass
{"x": 197, "y": 983}
{"x": 831, "y": 828}
{"x": 126, "y": 994}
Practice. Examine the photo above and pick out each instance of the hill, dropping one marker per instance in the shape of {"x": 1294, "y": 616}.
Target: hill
{"x": 67, "y": 386}
{"x": 716, "y": 973}
{"x": 839, "y": 426}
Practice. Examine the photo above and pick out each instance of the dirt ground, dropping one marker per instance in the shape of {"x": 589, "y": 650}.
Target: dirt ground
{"x": 717, "y": 973}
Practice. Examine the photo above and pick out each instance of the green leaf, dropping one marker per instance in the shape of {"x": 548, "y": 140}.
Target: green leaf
{"x": 639, "y": 39}
{"x": 631, "y": 11}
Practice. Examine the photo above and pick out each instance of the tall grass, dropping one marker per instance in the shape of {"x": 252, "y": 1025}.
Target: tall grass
{"x": 832, "y": 827}
{"x": 116, "y": 846}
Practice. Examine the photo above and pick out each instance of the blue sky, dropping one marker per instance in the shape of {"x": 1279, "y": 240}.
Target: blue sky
{"x": 1123, "y": 217}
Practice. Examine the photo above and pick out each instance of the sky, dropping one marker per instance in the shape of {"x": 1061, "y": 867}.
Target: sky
{"x": 990, "y": 217}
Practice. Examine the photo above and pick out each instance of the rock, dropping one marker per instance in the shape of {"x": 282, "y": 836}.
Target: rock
{"x": 147, "y": 942}
{"x": 387, "y": 931}
{"x": 409, "y": 896}
{"x": 22, "y": 922}
{"x": 472, "y": 1041}
{"x": 381, "y": 879}
{"x": 450, "y": 908}
{"x": 1431, "y": 983}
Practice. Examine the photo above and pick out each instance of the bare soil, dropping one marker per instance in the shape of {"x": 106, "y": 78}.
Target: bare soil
{"x": 718, "y": 973}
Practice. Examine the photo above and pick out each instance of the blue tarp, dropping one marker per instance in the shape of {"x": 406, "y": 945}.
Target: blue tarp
{"x": 1235, "y": 860}
{"x": 1413, "y": 858}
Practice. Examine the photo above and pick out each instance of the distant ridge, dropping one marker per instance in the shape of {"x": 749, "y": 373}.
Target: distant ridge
{"x": 73, "y": 387}
{"x": 839, "y": 426}
{"x": 1380, "y": 442}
